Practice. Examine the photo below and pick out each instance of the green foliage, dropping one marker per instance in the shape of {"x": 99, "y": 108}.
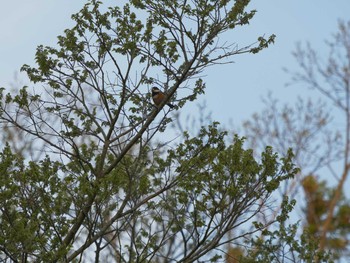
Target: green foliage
{"x": 215, "y": 181}
{"x": 201, "y": 179}
{"x": 102, "y": 182}
{"x": 228, "y": 171}
{"x": 34, "y": 206}
{"x": 280, "y": 244}
{"x": 284, "y": 244}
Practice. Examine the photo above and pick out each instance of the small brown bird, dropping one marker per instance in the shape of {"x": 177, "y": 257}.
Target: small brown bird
{"x": 158, "y": 96}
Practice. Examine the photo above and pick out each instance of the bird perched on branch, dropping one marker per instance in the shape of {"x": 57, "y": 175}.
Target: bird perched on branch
{"x": 158, "y": 96}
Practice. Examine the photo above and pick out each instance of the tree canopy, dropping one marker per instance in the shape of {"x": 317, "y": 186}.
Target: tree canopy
{"x": 102, "y": 189}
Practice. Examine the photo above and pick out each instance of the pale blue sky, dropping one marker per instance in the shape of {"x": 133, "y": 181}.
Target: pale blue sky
{"x": 237, "y": 87}
{"x": 234, "y": 91}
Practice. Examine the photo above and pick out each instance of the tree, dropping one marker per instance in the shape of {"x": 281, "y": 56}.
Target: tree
{"x": 320, "y": 146}
{"x": 318, "y": 198}
{"x": 104, "y": 191}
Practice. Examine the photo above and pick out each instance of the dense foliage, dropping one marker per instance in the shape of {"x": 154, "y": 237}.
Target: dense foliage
{"x": 102, "y": 189}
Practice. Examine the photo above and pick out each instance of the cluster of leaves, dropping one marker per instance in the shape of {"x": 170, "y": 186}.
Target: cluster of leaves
{"x": 170, "y": 205}
{"x": 108, "y": 192}
{"x": 34, "y": 205}
{"x": 285, "y": 244}
{"x": 282, "y": 244}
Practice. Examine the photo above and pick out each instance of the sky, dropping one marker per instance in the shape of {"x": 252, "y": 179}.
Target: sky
{"x": 252, "y": 76}
{"x": 234, "y": 91}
